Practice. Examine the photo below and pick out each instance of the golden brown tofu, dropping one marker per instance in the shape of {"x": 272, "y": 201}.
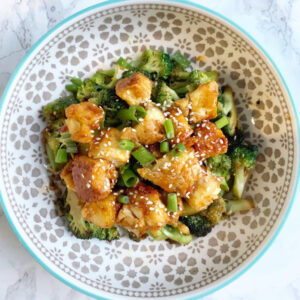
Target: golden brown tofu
{"x": 82, "y": 119}
{"x": 183, "y": 104}
{"x": 66, "y": 175}
{"x": 151, "y": 129}
{"x": 129, "y": 133}
{"x": 106, "y": 146}
{"x": 209, "y": 140}
{"x": 135, "y": 89}
{"x": 205, "y": 191}
{"x": 174, "y": 174}
{"x": 203, "y": 102}
{"x": 144, "y": 212}
{"x": 181, "y": 126}
{"x": 93, "y": 178}
{"x": 101, "y": 213}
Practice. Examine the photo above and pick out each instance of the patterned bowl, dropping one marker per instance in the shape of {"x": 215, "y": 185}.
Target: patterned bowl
{"x": 122, "y": 269}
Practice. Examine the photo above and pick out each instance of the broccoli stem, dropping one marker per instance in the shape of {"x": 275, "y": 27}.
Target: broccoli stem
{"x": 240, "y": 179}
{"x": 237, "y": 205}
{"x": 175, "y": 235}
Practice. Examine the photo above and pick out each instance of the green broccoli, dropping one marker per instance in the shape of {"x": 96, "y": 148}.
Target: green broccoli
{"x": 237, "y": 205}
{"x": 172, "y": 233}
{"x": 81, "y": 228}
{"x": 198, "y": 77}
{"x": 215, "y": 211}
{"x": 56, "y": 109}
{"x": 197, "y": 224}
{"x": 165, "y": 95}
{"x": 220, "y": 165}
{"x": 236, "y": 140}
{"x": 243, "y": 159}
{"x": 156, "y": 61}
{"x": 87, "y": 89}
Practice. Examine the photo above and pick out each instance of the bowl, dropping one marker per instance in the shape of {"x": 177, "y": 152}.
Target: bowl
{"x": 92, "y": 39}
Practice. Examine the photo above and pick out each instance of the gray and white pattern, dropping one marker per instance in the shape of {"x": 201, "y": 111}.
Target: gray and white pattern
{"x": 181, "y": 269}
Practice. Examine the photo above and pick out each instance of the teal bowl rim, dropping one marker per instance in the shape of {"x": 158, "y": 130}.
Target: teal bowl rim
{"x": 186, "y": 2}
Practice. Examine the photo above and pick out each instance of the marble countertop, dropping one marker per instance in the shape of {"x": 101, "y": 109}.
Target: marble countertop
{"x": 275, "y": 24}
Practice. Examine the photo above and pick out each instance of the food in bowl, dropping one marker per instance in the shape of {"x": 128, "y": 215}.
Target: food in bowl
{"x": 151, "y": 146}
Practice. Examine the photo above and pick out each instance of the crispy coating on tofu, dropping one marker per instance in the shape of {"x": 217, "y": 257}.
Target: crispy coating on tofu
{"x": 181, "y": 126}
{"x": 66, "y": 175}
{"x": 101, "y": 213}
{"x": 135, "y": 89}
{"x": 129, "y": 133}
{"x": 183, "y": 104}
{"x": 174, "y": 174}
{"x": 205, "y": 191}
{"x": 82, "y": 119}
{"x": 144, "y": 212}
{"x": 204, "y": 101}
{"x": 106, "y": 146}
{"x": 93, "y": 178}
{"x": 151, "y": 129}
{"x": 209, "y": 140}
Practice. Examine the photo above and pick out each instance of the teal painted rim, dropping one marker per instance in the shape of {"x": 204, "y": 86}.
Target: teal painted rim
{"x": 195, "y": 5}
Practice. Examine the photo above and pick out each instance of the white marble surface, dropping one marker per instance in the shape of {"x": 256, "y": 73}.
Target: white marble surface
{"x": 275, "y": 24}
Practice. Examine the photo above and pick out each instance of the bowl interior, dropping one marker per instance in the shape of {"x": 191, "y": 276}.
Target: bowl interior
{"x": 94, "y": 40}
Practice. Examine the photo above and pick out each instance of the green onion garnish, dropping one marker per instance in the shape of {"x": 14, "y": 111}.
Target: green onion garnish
{"x": 169, "y": 129}
{"x": 178, "y": 150}
{"x": 140, "y": 111}
{"x": 123, "y": 63}
{"x": 133, "y": 113}
{"x": 222, "y": 122}
{"x": 143, "y": 156}
{"x": 77, "y": 81}
{"x": 126, "y": 145}
{"x": 123, "y": 199}
{"x": 129, "y": 178}
{"x": 61, "y": 156}
{"x": 72, "y": 88}
{"x": 181, "y": 60}
{"x": 172, "y": 202}
{"x": 164, "y": 147}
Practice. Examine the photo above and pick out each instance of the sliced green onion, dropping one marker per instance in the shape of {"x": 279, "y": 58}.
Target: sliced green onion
{"x": 123, "y": 63}
{"x": 61, "y": 156}
{"x": 178, "y": 150}
{"x": 72, "y": 88}
{"x": 129, "y": 178}
{"x": 222, "y": 122}
{"x": 143, "y": 156}
{"x": 169, "y": 129}
{"x": 133, "y": 113}
{"x": 181, "y": 60}
{"x": 164, "y": 147}
{"x": 126, "y": 145}
{"x": 77, "y": 81}
{"x": 140, "y": 111}
{"x": 172, "y": 202}
{"x": 123, "y": 199}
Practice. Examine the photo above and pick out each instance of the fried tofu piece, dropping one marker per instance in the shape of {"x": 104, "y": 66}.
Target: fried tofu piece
{"x": 174, "y": 174}
{"x": 151, "y": 129}
{"x": 82, "y": 119}
{"x": 205, "y": 191}
{"x": 135, "y": 89}
{"x": 181, "y": 126}
{"x": 93, "y": 178}
{"x": 101, "y": 213}
{"x": 66, "y": 175}
{"x": 204, "y": 101}
{"x": 106, "y": 146}
{"x": 144, "y": 212}
{"x": 129, "y": 133}
{"x": 183, "y": 104}
{"x": 209, "y": 140}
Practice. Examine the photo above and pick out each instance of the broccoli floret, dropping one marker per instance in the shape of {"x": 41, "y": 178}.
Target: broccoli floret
{"x": 130, "y": 72}
{"x": 199, "y": 77}
{"x": 165, "y": 95}
{"x": 237, "y": 205}
{"x": 81, "y": 228}
{"x": 86, "y": 90}
{"x": 56, "y": 109}
{"x": 220, "y": 165}
{"x": 197, "y": 224}
{"x": 156, "y": 61}
{"x": 215, "y": 212}
{"x": 172, "y": 233}
{"x": 243, "y": 159}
